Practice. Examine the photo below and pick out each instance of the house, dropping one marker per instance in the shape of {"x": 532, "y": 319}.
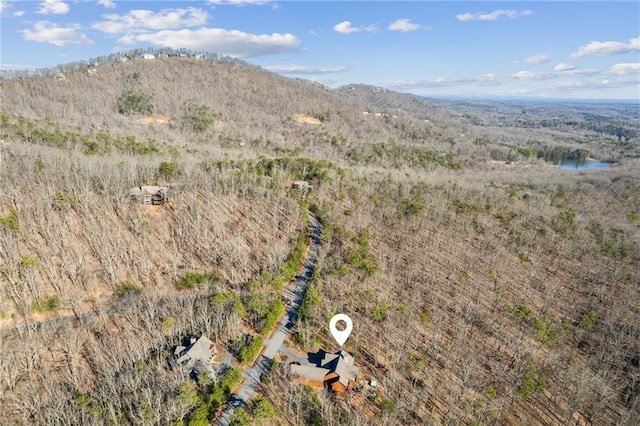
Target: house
{"x": 342, "y": 372}
{"x": 336, "y": 371}
{"x": 302, "y": 186}
{"x": 197, "y": 357}
{"x": 148, "y": 56}
{"x": 148, "y": 194}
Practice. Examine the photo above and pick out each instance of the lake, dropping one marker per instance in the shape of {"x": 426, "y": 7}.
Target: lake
{"x": 578, "y": 165}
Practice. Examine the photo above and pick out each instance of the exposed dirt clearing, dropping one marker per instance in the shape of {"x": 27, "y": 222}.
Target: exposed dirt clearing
{"x": 307, "y": 119}
{"x": 155, "y": 119}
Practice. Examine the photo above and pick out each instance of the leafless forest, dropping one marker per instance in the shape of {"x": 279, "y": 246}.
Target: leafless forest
{"x": 486, "y": 285}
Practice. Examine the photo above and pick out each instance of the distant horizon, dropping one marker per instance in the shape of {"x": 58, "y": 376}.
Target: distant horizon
{"x": 537, "y": 98}
{"x": 487, "y": 97}
{"x": 555, "y": 50}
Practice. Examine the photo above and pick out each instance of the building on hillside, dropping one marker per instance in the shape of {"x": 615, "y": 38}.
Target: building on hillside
{"x": 342, "y": 372}
{"x": 335, "y": 371}
{"x": 148, "y": 194}
{"x": 197, "y": 357}
{"x": 302, "y": 186}
{"x": 148, "y": 56}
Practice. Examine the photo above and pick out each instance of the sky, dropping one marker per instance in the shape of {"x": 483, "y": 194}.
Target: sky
{"x": 557, "y": 49}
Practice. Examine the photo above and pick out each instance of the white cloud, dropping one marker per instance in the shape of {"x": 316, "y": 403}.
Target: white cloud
{"x": 625, "y": 68}
{"x": 55, "y": 7}
{"x": 533, "y": 85}
{"x": 562, "y": 67}
{"x": 239, "y": 2}
{"x": 4, "y": 9}
{"x": 109, "y": 4}
{"x": 632, "y": 82}
{"x": 576, "y": 86}
{"x": 47, "y": 32}
{"x": 537, "y": 59}
{"x": 605, "y": 84}
{"x": 532, "y": 75}
{"x": 304, "y": 69}
{"x": 573, "y": 72}
{"x": 559, "y": 71}
{"x": 140, "y": 20}
{"x": 492, "y": 16}
{"x": 607, "y": 48}
{"x": 226, "y": 42}
{"x": 403, "y": 25}
{"x": 15, "y": 67}
{"x": 345, "y": 27}
{"x": 568, "y": 85}
{"x": 490, "y": 79}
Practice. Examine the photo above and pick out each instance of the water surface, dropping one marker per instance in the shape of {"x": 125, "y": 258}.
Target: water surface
{"x": 581, "y": 164}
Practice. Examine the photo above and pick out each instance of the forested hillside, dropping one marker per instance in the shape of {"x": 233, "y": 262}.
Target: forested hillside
{"x": 486, "y": 285}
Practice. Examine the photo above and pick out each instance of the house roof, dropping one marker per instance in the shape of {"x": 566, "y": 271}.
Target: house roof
{"x": 330, "y": 358}
{"x": 146, "y": 189}
{"x": 309, "y": 372}
{"x": 342, "y": 363}
{"x": 202, "y": 350}
{"x": 346, "y": 372}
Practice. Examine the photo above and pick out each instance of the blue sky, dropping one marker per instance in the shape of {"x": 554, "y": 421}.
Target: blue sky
{"x": 559, "y": 49}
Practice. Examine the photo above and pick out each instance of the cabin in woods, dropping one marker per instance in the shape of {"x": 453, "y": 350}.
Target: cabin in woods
{"x": 148, "y": 194}
{"x": 336, "y": 371}
{"x": 197, "y": 357}
{"x": 302, "y": 185}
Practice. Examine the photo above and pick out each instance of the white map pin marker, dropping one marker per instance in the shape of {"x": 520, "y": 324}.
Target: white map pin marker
{"x": 341, "y": 336}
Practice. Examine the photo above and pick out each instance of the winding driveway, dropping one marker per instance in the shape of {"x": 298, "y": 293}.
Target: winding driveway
{"x": 294, "y": 294}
